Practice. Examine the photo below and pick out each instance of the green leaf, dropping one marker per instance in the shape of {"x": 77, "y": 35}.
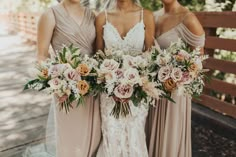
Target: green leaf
{"x": 30, "y": 83}
{"x": 75, "y": 56}
{"x": 74, "y": 50}
{"x": 71, "y": 46}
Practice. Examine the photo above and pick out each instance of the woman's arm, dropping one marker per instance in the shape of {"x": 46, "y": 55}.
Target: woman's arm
{"x": 46, "y": 26}
{"x": 149, "y": 23}
{"x": 100, "y": 22}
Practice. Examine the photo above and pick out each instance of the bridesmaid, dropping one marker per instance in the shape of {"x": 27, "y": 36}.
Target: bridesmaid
{"x": 77, "y": 133}
{"x": 169, "y": 124}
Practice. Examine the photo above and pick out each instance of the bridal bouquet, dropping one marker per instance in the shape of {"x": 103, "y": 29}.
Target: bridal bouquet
{"x": 177, "y": 68}
{"x": 125, "y": 79}
{"x": 67, "y": 74}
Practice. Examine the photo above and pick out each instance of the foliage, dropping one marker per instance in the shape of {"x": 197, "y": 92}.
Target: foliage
{"x": 194, "y": 5}
{"x": 219, "y": 5}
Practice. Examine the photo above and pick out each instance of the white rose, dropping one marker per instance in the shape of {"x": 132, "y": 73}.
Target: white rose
{"x": 92, "y": 62}
{"x": 132, "y": 76}
{"x": 56, "y": 70}
{"x": 111, "y": 77}
{"x": 56, "y": 83}
{"x": 176, "y": 74}
{"x": 140, "y": 61}
{"x": 164, "y": 73}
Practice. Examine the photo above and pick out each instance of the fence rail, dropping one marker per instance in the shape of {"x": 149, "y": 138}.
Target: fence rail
{"x": 211, "y": 21}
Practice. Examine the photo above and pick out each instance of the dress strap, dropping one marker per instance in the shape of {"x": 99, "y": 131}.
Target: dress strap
{"x": 142, "y": 14}
{"x": 106, "y": 16}
{"x": 185, "y": 16}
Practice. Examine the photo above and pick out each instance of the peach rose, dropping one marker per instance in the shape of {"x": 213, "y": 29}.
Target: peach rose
{"x": 83, "y": 69}
{"x": 169, "y": 84}
{"x": 44, "y": 73}
{"x": 179, "y": 58}
{"x": 83, "y": 87}
{"x": 193, "y": 67}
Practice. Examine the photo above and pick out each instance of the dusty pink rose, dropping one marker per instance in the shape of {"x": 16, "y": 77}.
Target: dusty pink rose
{"x": 109, "y": 65}
{"x": 56, "y": 83}
{"x": 119, "y": 74}
{"x": 123, "y": 91}
{"x": 186, "y": 78}
{"x": 71, "y": 74}
{"x": 128, "y": 61}
{"x": 164, "y": 73}
{"x": 176, "y": 74}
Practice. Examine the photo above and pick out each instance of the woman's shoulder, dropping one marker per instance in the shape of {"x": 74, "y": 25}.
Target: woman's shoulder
{"x": 148, "y": 15}
{"x": 47, "y": 15}
{"x": 101, "y": 18}
{"x": 147, "y": 12}
{"x": 191, "y": 22}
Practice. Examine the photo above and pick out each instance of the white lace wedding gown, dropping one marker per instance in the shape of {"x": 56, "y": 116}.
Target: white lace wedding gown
{"x": 123, "y": 137}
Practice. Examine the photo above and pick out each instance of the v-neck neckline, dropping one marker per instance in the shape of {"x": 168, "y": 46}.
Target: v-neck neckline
{"x": 72, "y": 19}
{"x": 127, "y": 34}
{"x": 170, "y": 30}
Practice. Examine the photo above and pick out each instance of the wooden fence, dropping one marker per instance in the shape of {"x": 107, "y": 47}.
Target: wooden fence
{"x": 26, "y": 24}
{"x": 211, "y": 21}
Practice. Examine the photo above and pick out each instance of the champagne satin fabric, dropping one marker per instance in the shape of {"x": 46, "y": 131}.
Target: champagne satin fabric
{"x": 78, "y": 133}
{"x": 169, "y": 124}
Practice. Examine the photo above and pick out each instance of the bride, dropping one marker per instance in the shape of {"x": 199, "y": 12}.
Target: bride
{"x": 126, "y": 26}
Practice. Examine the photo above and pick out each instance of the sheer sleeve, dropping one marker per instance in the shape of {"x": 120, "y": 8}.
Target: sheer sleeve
{"x": 190, "y": 38}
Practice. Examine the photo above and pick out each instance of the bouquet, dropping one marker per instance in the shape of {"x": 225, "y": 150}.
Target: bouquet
{"x": 125, "y": 79}
{"x": 66, "y": 74}
{"x": 178, "y": 69}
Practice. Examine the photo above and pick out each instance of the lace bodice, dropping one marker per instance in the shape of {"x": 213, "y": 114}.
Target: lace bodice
{"x": 133, "y": 41}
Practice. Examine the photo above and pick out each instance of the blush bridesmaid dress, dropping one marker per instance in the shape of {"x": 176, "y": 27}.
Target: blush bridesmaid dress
{"x": 169, "y": 124}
